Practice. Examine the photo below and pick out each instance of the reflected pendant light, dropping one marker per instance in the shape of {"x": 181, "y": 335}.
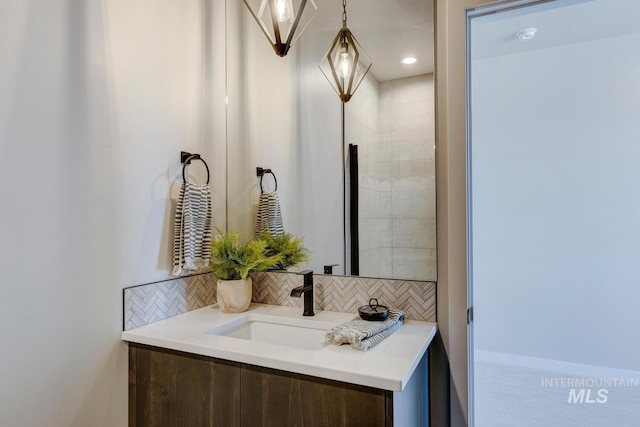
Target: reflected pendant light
{"x": 280, "y": 19}
{"x": 345, "y": 64}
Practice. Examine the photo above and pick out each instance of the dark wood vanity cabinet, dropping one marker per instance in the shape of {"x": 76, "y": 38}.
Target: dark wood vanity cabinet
{"x": 273, "y": 398}
{"x": 171, "y": 388}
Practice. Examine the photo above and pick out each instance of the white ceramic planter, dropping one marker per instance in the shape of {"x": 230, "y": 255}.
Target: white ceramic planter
{"x": 234, "y": 296}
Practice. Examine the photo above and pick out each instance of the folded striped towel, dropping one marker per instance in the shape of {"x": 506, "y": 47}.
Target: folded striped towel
{"x": 364, "y": 334}
{"x": 192, "y": 229}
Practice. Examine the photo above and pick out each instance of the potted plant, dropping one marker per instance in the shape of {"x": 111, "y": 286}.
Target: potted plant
{"x": 231, "y": 262}
{"x": 289, "y": 247}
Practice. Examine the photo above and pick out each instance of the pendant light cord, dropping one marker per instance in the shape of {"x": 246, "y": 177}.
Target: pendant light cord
{"x": 344, "y": 13}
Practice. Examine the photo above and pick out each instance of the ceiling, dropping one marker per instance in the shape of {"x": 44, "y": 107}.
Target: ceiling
{"x": 388, "y": 31}
{"x": 557, "y": 25}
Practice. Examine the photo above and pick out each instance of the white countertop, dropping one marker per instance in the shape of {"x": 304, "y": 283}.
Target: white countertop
{"x": 388, "y": 366}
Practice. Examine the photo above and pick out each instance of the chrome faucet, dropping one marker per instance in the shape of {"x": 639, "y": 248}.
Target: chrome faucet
{"x": 307, "y": 290}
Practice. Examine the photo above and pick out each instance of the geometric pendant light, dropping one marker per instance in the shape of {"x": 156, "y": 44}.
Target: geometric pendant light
{"x": 346, "y": 63}
{"x": 282, "y": 21}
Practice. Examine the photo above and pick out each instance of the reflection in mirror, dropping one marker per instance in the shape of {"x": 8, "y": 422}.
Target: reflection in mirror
{"x": 389, "y": 125}
{"x": 282, "y": 114}
{"x": 395, "y": 181}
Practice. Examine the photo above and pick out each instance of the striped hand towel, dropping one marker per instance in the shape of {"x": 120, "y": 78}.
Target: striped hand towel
{"x": 269, "y": 215}
{"x": 364, "y": 334}
{"x": 192, "y": 230}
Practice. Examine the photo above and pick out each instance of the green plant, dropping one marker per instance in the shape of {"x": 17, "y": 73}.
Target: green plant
{"x": 288, "y": 246}
{"x": 231, "y": 260}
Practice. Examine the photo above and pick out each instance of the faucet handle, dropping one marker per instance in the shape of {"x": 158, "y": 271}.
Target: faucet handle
{"x": 328, "y": 269}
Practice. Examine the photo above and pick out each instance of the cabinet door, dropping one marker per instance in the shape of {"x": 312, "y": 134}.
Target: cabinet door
{"x": 169, "y": 388}
{"x": 277, "y": 398}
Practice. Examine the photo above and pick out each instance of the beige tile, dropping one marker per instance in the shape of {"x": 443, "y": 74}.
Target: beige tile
{"x": 385, "y": 151}
{"x": 409, "y": 180}
{"x": 413, "y": 203}
{"x": 384, "y": 98}
{"x": 372, "y": 136}
{"x": 412, "y": 89}
{"x": 416, "y": 149}
{"x": 385, "y": 209}
{"x": 364, "y": 234}
{"x": 367, "y": 203}
{"x": 419, "y": 264}
{"x": 384, "y": 176}
{"x": 374, "y": 262}
{"x": 385, "y": 123}
{"x": 369, "y": 262}
{"x": 427, "y": 134}
{"x": 355, "y": 132}
{"x": 364, "y": 263}
{"x": 386, "y": 262}
{"x": 373, "y": 116}
{"x": 385, "y": 233}
{"x": 419, "y": 168}
{"x": 386, "y": 136}
{"x": 414, "y": 233}
{"x": 410, "y": 116}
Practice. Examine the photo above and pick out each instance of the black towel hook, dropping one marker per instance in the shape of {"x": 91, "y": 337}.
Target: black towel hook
{"x": 261, "y": 173}
{"x": 186, "y": 158}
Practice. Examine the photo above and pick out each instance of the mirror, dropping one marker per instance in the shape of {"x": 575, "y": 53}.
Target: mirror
{"x": 389, "y": 127}
{"x": 283, "y": 114}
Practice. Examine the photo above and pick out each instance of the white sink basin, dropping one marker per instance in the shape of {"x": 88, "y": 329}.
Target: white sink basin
{"x": 298, "y": 333}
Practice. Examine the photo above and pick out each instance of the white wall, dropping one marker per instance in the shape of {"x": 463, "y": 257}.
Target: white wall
{"x": 555, "y": 203}
{"x": 451, "y": 214}
{"x": 96, "y": 101}
{"x": 283, "y": 115}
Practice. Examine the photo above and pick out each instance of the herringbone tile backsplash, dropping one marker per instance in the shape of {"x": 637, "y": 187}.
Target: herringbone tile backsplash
{"x": 156, "y": 301}
{"x": 347, "y": 293}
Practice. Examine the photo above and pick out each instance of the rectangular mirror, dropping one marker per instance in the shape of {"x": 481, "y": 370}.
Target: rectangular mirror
{"x": 284, "y": 115}
{"x": 389, "y": 125}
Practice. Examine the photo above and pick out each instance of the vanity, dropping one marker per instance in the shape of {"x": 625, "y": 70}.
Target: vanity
{"x": 268, "y": 367}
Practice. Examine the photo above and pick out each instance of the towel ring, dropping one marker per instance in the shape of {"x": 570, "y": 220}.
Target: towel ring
{"x": 188, "y": 160}
{"x": 274, "y": 179}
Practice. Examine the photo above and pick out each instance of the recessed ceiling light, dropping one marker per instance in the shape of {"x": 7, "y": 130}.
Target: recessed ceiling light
{"x": 526, "y": 34}
{"x": 409, "y": 60}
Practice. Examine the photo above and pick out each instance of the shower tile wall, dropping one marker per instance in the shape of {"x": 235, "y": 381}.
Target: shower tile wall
{"x": 393, "y": 124}
{"x": 407, "y": 137}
